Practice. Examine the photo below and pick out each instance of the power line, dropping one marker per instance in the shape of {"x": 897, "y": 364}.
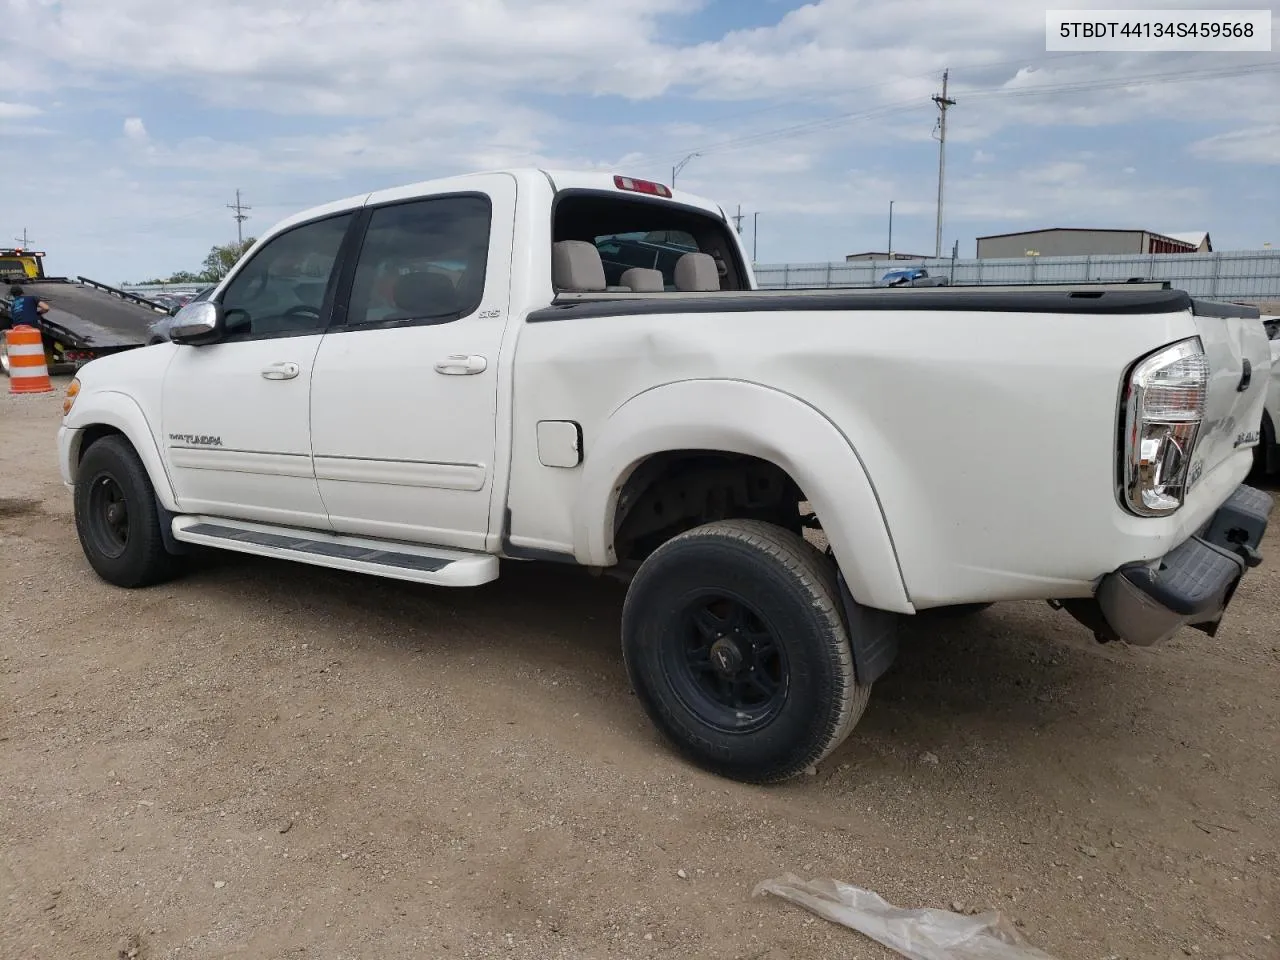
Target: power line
{"x": 240, "y": 217}
{"x": 991, "y": 93}
{"x": 791, "y": 102}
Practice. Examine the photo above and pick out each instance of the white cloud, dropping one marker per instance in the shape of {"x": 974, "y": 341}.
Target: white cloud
{"x": 1260, "y": 145}
{"x": 134, "y": 129}
{"x": 17, "y": 111}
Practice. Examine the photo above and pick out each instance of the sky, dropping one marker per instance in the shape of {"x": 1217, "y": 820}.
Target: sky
{"x": 127, "y": 127}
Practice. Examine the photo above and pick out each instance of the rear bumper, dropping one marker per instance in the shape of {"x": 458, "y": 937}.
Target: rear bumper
{"x": 1192, "y": 585}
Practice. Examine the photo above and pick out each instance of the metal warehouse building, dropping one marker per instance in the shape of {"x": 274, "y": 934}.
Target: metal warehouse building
{"x": 1081, "y": 242}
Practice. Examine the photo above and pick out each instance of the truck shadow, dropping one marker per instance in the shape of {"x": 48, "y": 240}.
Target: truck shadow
{"x": 1004, "y": 674}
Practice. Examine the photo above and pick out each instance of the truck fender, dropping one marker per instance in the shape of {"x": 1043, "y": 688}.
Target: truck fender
{"x": 737, "y": 416}
{"x": 111, "y": 408}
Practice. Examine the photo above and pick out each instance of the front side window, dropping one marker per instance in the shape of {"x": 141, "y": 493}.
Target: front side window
{"x": 422, "y": 261}
{"x": 282, "y": 289}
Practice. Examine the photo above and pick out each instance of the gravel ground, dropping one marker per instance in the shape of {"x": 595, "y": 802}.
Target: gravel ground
{"x": 267, "y": 760}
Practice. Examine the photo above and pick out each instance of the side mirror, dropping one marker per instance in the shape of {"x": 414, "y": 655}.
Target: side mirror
{"x": 197, "y": 323}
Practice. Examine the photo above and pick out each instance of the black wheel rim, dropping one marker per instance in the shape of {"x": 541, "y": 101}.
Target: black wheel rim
{"x": 108, "y": 516}
{"x": 725, "y": 662}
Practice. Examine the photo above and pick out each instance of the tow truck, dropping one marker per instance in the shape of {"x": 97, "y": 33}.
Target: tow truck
{"x": 86, "y": 319}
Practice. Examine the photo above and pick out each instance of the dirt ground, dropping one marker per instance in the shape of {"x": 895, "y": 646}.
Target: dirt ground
{"x": 265, "y": 760}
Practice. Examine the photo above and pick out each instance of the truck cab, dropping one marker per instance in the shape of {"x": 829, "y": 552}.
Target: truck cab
{"x": 18, "y": 264}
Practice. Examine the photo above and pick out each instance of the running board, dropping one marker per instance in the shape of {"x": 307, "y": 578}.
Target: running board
{"x": 439, "y": 566}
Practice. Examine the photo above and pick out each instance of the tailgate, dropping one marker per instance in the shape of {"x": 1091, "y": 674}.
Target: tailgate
{"x": 1239, "y": 356}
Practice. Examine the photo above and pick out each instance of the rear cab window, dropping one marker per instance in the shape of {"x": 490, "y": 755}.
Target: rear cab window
{"x": 647, "y": 234}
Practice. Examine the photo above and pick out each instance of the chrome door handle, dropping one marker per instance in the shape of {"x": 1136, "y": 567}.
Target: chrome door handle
{"x": 281, "y": 371}
{"x": 461, "y": 365}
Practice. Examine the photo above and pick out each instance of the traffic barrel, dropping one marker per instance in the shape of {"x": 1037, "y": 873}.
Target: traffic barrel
{"x": 28, "y": 372}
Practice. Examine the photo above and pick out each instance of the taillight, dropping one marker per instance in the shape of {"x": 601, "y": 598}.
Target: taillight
{"x": 641, "y": 186}
{"x": 1164, "y": 403}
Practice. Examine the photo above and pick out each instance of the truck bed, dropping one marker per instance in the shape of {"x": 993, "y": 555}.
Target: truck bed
{"x": 84, "y": 314}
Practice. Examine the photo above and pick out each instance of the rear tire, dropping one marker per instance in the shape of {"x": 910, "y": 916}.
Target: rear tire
{"x": 737, "y": 650}
{"x": 116, "y": 517}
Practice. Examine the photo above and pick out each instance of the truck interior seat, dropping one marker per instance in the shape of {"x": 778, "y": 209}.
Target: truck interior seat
{"x": 424, "y": 294}
{"x": 576, "y": 267}
{"x": 697, "y": 272}
{"x": 641, "y": 280}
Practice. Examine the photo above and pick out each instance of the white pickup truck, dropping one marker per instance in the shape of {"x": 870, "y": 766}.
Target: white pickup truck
{"x": 430, "y": 381}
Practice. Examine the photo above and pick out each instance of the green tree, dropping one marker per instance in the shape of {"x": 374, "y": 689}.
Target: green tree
{"x": 222, "y": 258}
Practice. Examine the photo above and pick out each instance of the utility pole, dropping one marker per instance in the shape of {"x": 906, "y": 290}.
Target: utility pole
{"x": 737, "y": 221}
{"x": 22, "y": 239}
{"x": 890, "y": 230}
{"x": 755, "y": 236}
{"x": 943, "y": 103}
{"x": 240, "y": 217}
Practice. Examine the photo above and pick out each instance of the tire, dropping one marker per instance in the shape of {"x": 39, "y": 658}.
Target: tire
{"x": 116, "y": 517}
{"x": 781, "y": 594}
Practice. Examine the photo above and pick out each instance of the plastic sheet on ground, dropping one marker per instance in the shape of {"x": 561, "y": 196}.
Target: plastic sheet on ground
{"x": 917, "y": 934}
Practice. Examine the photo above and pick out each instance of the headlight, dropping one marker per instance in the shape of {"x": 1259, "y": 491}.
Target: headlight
{"x": 69, "y": 401}
{"x": 1164, "y": 402}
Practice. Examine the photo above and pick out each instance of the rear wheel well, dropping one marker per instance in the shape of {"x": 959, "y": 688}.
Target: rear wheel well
{"x": 669, "y": 493}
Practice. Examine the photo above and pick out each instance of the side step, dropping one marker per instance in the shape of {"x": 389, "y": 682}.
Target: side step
{"x": 439, "y": 566}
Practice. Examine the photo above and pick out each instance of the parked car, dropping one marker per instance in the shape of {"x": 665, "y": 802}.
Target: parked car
{"x": 430, "y": 382}
{"x": 911, "y": 277}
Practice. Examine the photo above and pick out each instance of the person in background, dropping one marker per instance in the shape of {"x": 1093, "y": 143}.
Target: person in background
{"x": 25, "y": 308}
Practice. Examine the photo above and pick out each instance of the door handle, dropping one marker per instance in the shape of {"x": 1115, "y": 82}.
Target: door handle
{"x": 283, "y": 370}
{"x": 461, "y": 365}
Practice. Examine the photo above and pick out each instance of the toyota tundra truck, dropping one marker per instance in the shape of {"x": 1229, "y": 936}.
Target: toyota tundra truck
{"x": 432, "y": 382}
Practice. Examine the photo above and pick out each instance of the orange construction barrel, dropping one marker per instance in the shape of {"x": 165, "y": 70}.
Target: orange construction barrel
{"x": 28, "y": 372}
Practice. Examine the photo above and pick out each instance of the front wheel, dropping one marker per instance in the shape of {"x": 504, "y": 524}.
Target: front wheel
{"x": 116, "y": 517}
{"x": 736, "y": 648}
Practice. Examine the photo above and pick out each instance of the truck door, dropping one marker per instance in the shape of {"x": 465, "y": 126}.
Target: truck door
{"x": 236, "y": 413}
{"x": 405, "y": 391}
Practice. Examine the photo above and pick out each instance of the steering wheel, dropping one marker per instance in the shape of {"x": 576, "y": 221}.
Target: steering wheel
{"x": 302, "y": 310}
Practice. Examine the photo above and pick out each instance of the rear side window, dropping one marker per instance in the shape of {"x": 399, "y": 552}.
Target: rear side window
{"x": 422, "y": 261}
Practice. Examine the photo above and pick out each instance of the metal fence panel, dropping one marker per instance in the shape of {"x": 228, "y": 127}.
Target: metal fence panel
{"x": 1226, "y": 275}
